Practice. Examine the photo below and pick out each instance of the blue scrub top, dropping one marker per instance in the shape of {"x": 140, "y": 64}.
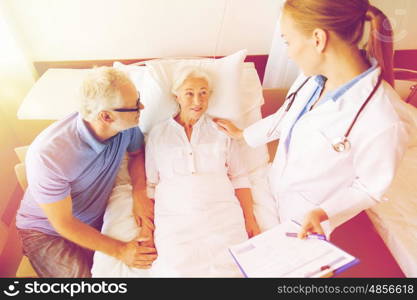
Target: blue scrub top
{"x": 335, "y": 95}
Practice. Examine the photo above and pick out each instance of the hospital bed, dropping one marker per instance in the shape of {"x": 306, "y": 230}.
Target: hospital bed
{"x": 394, "y": 221}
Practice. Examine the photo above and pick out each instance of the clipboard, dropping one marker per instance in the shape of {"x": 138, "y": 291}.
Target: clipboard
{"x": 279, "y": 253}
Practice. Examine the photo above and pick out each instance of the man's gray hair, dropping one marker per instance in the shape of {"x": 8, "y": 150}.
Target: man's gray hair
{"x": 189, "y": 72}
{"x": 101, "y": 90}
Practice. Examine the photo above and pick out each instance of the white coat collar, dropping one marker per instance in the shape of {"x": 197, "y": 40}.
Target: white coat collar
{"x": 352, "y": 99}
{"x": 363, "y": 87}
{"x": 357, "y": 94}
{"x": 350, "y": 103}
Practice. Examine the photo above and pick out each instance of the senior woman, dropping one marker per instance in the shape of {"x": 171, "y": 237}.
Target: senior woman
{"x": 203, "y": 202}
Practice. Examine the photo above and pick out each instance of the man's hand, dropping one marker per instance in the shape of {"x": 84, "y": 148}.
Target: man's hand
{"x": 311, "y": 223}
{"x": 229, "y": 128}
{"x": 137, "y": 256}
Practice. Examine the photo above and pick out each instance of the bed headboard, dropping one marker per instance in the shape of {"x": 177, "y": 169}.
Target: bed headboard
{"x": 42, "y": 66}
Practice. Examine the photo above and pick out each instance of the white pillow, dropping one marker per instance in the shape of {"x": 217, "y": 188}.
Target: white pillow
{"x": 55, "y": 94}
{"x": 243, "y": 108}
{"x": 237, "y": 91}
{"x": 136, "y": 73}
{"x": 225, "y": 73}
{"x": 157, "y": 108}
{"x": 155, "y": 88}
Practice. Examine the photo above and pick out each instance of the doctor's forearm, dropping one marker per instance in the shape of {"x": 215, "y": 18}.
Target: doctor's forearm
{"x": 374, "y": 169}
{"x": 345, "y": 204}
{"x": 259, "y": 133}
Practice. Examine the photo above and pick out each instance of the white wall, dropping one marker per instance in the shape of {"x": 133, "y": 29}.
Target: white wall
{"x": 108, "y": 29}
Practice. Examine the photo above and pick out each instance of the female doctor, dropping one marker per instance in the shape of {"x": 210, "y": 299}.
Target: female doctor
{"x": 340, "y": 135}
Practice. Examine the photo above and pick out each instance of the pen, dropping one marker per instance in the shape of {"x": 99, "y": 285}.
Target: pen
{"x": 291, "y": 234}
{"x": 312, "y": 235}
{"x": 317, "y": 236}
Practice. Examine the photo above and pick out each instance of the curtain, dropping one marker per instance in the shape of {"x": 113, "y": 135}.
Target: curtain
{"x": 280, "y": 71}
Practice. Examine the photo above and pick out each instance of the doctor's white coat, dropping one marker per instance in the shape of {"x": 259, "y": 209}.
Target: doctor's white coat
{"x": 312, "y": 174}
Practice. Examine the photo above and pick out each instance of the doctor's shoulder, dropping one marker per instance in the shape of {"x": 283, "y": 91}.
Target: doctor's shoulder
{"x": 381, "y": 119}
{"x": 404, "y": 111}
{"x": 385, "y": 110}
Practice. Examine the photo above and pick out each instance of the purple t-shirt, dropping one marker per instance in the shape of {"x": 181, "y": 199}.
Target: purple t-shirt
{"x": 66, "y": 159}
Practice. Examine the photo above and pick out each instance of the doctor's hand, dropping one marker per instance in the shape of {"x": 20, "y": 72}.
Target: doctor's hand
{"x": 137, "y": 256}
{"x": 229, "y": 128}
{"x": 311, "y": 223}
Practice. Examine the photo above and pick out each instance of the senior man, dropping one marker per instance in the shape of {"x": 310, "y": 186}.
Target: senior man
{"x": 71, "y": 169}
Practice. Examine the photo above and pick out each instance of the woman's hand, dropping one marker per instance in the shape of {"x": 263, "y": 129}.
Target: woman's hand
{"x": 229, "y": 128}
{"x": 251, "y": 226}
{"x": 311, "y": 223}
{"x": 143, "y": 211}
{"x": 145, "y": 237}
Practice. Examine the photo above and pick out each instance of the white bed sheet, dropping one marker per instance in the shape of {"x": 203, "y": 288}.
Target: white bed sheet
{"x": 119, "y": 223}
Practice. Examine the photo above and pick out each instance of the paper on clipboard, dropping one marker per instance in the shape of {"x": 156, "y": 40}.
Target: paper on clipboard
{"x": 274, "y": 254}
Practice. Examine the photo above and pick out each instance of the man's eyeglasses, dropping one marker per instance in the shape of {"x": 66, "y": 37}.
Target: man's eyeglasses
{"x": 138, "y": 105}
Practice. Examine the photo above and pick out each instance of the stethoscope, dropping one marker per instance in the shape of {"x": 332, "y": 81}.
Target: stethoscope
{"x": 339, "y": 144}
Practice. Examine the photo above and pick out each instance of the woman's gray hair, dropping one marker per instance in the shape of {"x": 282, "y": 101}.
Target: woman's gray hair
{"x": 189, "y": 72}
{"x": 100, "y": 90}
